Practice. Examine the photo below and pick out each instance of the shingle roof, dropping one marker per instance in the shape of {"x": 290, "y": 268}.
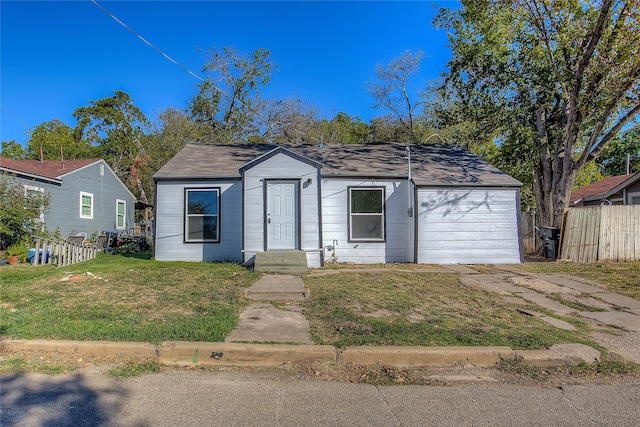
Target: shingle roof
{"x": 601, "y": 189}
{"x": 431, "y": 165}
{"x": 53, "y": 169}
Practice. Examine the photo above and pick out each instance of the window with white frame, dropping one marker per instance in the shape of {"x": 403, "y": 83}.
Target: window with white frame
{"x": 366, "y": 214}
{"x": 121, "y": 210}
{"x": 35, "y": 195}
{"x": 202, "y": 215}
{"x": 86, "y": 205}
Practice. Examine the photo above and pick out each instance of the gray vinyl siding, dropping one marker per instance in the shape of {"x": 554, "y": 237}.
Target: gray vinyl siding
{"x": 63, "y": 213}
{"x": 631, "y": 192}
{"x": 170, "y": 217}
{"x": 284, "y": 167}
{"x": 468, "y": 226}
{"x": 397, "y": 246}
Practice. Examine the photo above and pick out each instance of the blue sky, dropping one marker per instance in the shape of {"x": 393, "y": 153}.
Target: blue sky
{"x": 57, "y": 56}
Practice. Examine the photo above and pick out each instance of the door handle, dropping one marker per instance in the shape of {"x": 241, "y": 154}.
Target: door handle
{"x": 268, "y": 220}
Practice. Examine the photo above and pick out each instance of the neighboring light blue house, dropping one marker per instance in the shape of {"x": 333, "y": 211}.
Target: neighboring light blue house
{"x": 361, "y": 203}
{"x": 85, "y": 195}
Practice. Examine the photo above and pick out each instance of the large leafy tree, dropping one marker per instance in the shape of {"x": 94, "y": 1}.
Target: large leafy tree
{"x": 555, "y": 79}
{"x": 13, "y": 150}
{"x": 225, "y": 105}
{"x": 344, "y": 129}
{"x": 115, "y": 126}
{"x": 54, "y": 140}
{"x": 624, "y": 149}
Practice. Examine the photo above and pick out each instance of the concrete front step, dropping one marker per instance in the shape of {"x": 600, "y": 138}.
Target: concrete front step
{"x": 278, "y": 288}
{"x": 279, "y": 296}
{"x": 285, "y": 262}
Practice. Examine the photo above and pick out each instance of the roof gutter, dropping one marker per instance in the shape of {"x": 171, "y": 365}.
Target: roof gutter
{"x": 196, "y": 178}
{"x": 32, "y": 176}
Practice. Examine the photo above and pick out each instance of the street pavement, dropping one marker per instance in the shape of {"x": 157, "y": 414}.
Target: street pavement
{"x": 211, "y": 398}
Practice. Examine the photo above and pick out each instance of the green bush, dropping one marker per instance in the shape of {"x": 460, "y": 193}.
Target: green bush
{"x": 21, "y": 210}
{"x": 18, "y": 248}
{"x": 127, "y": 248}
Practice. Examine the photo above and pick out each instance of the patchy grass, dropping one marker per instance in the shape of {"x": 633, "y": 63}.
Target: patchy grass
{"x": 117, "y": 298}
{"x": 573, "y": 303}
{"x": 405, "y": 308}
{"x": 618, "y": 277}
{"x": 48, "y": 364}
{"x": 135, "y": 369}
{"x": 605, "y": 367}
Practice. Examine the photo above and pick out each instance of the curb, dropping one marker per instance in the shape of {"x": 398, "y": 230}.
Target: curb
{"x": 416, "y": 357}
{"x": 181, "y": 353}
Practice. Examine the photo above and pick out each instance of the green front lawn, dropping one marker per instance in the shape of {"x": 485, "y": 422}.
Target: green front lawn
{"x": 431, "y": 309}
{"x": 117, "y": 298}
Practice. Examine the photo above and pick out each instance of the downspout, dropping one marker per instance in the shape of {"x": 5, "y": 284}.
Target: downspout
{"x": 410, "y": 224}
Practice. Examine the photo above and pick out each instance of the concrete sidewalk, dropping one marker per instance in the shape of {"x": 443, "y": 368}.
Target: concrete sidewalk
{"x": 617, "y": 318}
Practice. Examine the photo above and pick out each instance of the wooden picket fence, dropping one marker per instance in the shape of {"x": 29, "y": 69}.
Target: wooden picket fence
{"x": 61, "y": 253}
{"x": 601, "y": 233}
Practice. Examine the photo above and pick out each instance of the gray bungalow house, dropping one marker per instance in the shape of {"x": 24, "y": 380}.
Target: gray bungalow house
{"x": 614, "y": 190}
{"x": 354, "y": 203}
{"x": 85, "y": 195}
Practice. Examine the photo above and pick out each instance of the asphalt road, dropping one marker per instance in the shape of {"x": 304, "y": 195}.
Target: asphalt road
{"x": 208, "y": 398}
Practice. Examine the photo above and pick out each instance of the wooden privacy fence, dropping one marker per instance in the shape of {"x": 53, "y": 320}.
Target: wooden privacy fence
{"x": 60, "y": 253}
{"x": 601, "y": 233}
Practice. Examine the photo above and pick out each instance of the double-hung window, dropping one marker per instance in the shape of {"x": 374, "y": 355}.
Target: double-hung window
{"x": 202, "y": 215}
{"x": 121, "y": 213}
{"x": 366, "y": 214}
{"x": 86, "y": 205}
{"x": 35, "y": 198}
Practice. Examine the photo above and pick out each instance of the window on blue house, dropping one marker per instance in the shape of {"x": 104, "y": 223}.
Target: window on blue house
{"x": 366, "y": 214}
{"x": 121, "y": 212}
{"x": 202, "y": 215}
{"x": 86, "y": 205}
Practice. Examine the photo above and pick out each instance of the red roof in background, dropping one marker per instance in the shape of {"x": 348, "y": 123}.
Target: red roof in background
{"x": 46, "y": 168}
{"x": 599, "y": 188}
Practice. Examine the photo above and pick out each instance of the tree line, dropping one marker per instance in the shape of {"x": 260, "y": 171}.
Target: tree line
{"x": 546, "y": 90}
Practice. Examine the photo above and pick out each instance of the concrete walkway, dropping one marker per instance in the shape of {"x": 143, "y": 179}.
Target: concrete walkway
{"x": 262, "y": 322}
{"x": 616, "y": 316}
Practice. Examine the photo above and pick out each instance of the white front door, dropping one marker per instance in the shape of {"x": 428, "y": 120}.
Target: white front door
{"x": 282, "y": 215}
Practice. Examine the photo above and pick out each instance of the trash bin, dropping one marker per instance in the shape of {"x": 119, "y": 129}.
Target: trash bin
{"x": 550, "y": 237}
{"x": 32, "y": 253}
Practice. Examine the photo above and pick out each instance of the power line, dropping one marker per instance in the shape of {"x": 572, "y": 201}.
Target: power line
{"x": 257, "y": 112}
{"x": 147, "y": 42}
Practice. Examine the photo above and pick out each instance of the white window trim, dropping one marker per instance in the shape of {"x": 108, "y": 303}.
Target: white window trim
{"x": 383, "y": 215}
{"x": 631, "y": 195}
{"x": 28, "y": 188}
{"x": 82, "y": 194}
{"x": 124, "y": 215}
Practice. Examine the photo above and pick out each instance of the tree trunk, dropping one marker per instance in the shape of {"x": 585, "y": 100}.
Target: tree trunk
{"x": 552, "y": 190}
{"x": 552, "y": 176}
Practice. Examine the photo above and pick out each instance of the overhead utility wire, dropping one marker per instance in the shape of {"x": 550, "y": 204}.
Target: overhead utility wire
{"x": 147, "y": 42}
{"x": 177, "y": 63}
